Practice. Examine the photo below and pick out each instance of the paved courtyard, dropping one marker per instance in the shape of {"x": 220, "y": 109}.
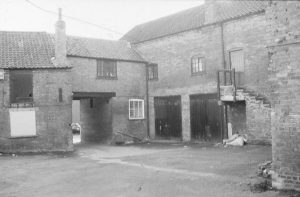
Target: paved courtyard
{"x": 136, "y": 170}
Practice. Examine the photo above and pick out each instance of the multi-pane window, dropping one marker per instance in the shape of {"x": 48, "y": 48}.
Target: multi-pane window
{"x": 237, "y": 60}
{"x": 106, "y": 69}
{"x": 136, "y": 109}
{"x": 197, "y": 65}
{"x": 152, "y": 71}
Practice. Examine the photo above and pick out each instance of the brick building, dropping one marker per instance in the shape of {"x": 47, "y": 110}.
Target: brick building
{"x": 109, "y": 80}
{"x": 186, "y": 50}
{"x": 36, "y": 92}
{"x": 43, "y": 75}
{"x": 284, "y": 82}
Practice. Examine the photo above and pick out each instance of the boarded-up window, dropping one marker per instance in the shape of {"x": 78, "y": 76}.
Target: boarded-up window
{"x": 152, "y": 71}
{"x": 21, "y": 88}
{"x": 22, "y": 122}
{"x": 136, "y": 109}
{"x": 106, "y": 69}
{"x": 237, "y": 60}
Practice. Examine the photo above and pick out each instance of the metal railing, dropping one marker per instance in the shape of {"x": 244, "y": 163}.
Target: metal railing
{"x": 231, "y": 81}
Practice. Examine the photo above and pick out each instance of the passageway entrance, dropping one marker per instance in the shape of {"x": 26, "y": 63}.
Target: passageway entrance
{"x": 94, "y": 112}
{"x": 206, "y": 118}
{"x": 167, "y": 117}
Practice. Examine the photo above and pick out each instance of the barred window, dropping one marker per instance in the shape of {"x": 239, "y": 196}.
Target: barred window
{"x": 136, "y": 109}
{"x": 107, "y": 69}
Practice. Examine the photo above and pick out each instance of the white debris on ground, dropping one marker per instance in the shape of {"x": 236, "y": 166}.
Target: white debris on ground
{"x": 236, "y": 140}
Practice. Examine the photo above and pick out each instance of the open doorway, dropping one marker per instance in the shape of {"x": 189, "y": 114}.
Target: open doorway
{"x": 76, "y": 127}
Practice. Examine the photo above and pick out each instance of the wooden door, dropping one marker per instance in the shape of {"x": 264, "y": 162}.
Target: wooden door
{"x": 206, "y": 117}
{"x": 168, "y": 117}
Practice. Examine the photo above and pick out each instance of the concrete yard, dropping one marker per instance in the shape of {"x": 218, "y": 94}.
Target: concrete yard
{"x": 135, "y": 170}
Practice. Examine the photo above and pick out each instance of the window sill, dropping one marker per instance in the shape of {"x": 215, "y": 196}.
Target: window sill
{"x": 154, "y": 79}
{"x": 198, "y": 74}
{"x": 107, "y": 78}
{"x": 21, "y": 137}
{"x": 137, "y": 118}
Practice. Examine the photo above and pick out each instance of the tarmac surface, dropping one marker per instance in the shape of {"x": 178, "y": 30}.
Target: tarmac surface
{"x": 136, "y": 170}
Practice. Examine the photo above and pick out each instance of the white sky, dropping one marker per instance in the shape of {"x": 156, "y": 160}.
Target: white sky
{"x": 118, "y": 15}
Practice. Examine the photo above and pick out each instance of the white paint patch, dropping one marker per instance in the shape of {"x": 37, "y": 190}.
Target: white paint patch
{"x": 22, "y": 122}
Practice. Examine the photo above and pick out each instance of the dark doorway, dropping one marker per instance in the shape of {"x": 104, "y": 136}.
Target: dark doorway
{"x": 167, "y": 117}
{"x": 206, "y": 118}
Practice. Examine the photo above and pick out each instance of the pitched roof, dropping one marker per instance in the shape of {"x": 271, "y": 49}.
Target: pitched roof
{"x": 191, "y": 19}
{"x": 26, "y": 50}
{"x": 35, "y": 49}
{"x": 98, "y": 48}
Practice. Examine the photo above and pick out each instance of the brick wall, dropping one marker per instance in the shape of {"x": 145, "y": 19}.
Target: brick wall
{"x": 284, "y": 81}
{"x": 173, "y": 56}
{"x": 52, "y": 117}
{"x": 130, "y": 84}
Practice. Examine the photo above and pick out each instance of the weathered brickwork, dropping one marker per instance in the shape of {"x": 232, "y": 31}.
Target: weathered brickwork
{"x": 52, "y": 117}
{"x": 173, "y": 55}
{"x": 284, "y": 80}
{"x": 130, "y": 84}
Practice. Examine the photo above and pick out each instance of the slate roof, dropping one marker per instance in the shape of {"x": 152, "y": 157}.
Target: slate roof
{"x": 35, "y": 49}
{"x": 191, "y": 19}
{"x": 98, "y": 48}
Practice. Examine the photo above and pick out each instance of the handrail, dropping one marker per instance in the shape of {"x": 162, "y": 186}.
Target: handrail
{"x": 232, "y": 81}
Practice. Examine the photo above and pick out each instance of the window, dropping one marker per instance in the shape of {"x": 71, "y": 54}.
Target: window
{"x": 22, "y": 122}
{"x": 136, "y": 109}
{"x": 237, "y": 60}
{"x": 60, "y": 95}
{"x": 197, "y": 65}
{"x": 21, "y": 88}
{"x": 152, "y": 71}
{"x": 107, "y": 69}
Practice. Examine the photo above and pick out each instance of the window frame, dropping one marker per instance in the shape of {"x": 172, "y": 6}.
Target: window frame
{"x": 143, "y": 109}
{"x": 154, "y": 68}
{"x": 100, "y": 63}
{"x": 203, "y": 71}
{"x": 230, "y": 59}
{"x": 13, "y": 75}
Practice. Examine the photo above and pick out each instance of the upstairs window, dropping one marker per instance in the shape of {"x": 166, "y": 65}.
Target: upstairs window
{"x": 152, "y": 71}
{"x": 21, "y": 88}
{"x": 107, "y": 69}
{"x": 237, "y": 60}
{"x": 136, "y": 109}
{"x": 197, "y": 65}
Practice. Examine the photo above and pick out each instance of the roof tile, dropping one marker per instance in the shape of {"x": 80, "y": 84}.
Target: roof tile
{"x": 191, "y": 19}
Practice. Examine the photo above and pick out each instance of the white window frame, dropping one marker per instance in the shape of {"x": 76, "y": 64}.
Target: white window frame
{"x": 137, "y": 113}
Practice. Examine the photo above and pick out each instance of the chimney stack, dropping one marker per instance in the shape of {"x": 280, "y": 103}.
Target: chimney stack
{"x": 210, "y": 11}
{"x": 60, "y": 40}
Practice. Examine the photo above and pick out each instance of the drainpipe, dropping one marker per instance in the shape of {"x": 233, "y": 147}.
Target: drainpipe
{"x": 223, "y": 112}
{"x": 147, "y": 103}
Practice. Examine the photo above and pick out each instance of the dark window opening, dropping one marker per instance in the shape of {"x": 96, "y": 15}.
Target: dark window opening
{"x": 91, "y": 103}
{"x": 152, "y": 71}
{"x": 60, "y": 95}
{"x": 197, "y": 65}
{"x": 107, "y": 69}
{"x": 21, "y": 86}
